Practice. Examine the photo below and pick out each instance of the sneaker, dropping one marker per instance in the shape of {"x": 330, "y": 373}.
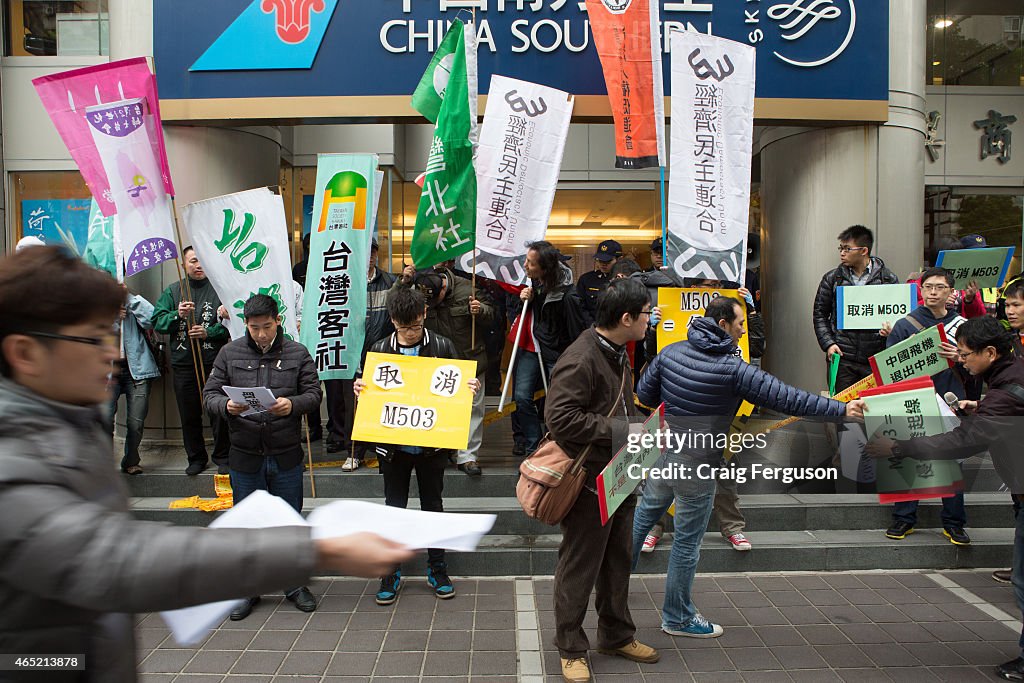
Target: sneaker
{"x": 634, "y": 652}
{"x": 739, "y": 542}
{"x": 334, "y": 446}
{"x": 519, "y": 450}
{"x": 471, "y": 468}
{"x": 575, "y": 670}
{"x": 389, "y": 586}
{"x": 1002, "y": 575}
{"x": 649, "y": 542}
{"x": 956, "y": 535}
{"x": 438, "y": 579}
{"x": 1012, "y": 671}
{"x": 899, "y": 530}
{"x": 195, "y": 468}
{"x": 351, "y": 465}
{"x": 698, "y": 627}
{"x": 132, "y": 470}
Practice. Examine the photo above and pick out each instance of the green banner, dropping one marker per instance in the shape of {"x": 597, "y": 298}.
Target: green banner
{"x": 868, "y": 308}
{"x": 334, "y": 303}
{"x": 446, "y": 218}
{"x": 617, "y": 482}
{"x": 916, "y": 356}
{"x": 987, "y": 267}
{"x": 99, "y": 249}
{"x": 908, "y": 415}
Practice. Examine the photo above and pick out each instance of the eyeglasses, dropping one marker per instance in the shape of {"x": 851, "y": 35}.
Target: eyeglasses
{"x": 965, "y": 356}
{"x": 110, "y": 340}
{"x": 411, "y": 328}
{"x": 646, "y": 313}
{"x": 935, "y": 288}
{"x": 843, "y": 249}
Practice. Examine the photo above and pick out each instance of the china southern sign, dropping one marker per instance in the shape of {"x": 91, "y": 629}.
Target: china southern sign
{"x": 829, "y": 54}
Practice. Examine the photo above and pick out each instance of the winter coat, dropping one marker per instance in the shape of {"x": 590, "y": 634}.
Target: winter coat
{"x": 996, "y": 427}
{"x": 75, "y": 564}
{"x": 947, "y": 380}
{"x": 451, "y": 318}
{"x": 582, "y": 391}
{"x": 378, "y": 322}
{"x": 559, "y": 316}
{"x": 286, "y": 369}
{"x": 704, "y": 376}
{"x": 857, "y": 345}
{"x": 166, "y": 321}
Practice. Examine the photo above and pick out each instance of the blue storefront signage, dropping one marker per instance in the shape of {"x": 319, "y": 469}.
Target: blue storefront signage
{"x": 806, "y": 49}
{"x": 57, "y": 221}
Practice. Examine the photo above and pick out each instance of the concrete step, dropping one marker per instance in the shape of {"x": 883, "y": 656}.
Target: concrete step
{"x": 764, "y": 513}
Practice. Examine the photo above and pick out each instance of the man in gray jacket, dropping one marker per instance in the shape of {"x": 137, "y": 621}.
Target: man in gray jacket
{"x": 74, "y": 563}
{"x": 265, "y": 453}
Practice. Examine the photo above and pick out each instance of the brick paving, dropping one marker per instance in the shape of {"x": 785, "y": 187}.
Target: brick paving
{"x": 886, "y": 626}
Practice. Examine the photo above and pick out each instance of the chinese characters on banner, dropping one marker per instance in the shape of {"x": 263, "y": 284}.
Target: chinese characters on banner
{"x": 67, "y": 94}
{"x": 626, "y": 35}
{"x": 906, "y": 411}
{"x": 916, "y": 356}
{"x": 334, "y": 303}
{"x": 124, "y": 135}
{"x": 415, "y": 401}
{"x": 868, "y": 308}
{"x": 988, "y": 267}
{"x": 242, "y": 241}
{"x": 519, "y": 158}
{"x": 446, "y": 217}
{"x": 679, "y": 305}
{"x": 614, "y": 485}
{"x": 712, "y": 129}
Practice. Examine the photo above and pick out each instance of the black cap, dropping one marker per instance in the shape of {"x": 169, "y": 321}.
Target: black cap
{"x": 657, "y": 245}
{"x": 608, "y": 250}
{"x": 373, "y": 244}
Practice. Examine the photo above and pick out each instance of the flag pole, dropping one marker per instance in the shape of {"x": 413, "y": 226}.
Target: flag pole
{"x": 472, "y": 340}
{"x": 664, "y": 220}
{"x": 512, "y": 358}
{"x": 309, "y": 452}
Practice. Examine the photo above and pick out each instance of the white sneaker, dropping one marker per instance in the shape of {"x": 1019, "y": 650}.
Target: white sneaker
{"x": 351, "y": 465}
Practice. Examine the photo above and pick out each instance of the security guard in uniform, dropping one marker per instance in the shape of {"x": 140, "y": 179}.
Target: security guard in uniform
{"x": 593, "y": 282}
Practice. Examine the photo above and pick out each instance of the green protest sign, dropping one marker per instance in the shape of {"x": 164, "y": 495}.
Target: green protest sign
{"x": 616, "y": 482}
{"x": 334, "y": 302}
{"x": 868, "y": 308}
{"x": 916, "y": 356}
{"x": 907, "y": 415}
{"x": 987, "y": 267}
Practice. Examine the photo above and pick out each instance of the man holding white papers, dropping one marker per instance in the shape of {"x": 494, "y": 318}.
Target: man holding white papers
{"x": 74, "y": 564}
{"x": 265, "y": 446}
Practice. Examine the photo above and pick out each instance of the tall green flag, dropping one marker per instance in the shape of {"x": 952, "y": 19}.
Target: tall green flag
{"x": 446, "y": 219}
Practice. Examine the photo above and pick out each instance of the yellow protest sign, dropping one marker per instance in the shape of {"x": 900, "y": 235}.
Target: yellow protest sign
{"x": 413, "y": 401}
{"x": 678, "y": 305}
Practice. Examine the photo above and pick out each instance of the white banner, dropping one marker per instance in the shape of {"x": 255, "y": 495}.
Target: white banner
{"x": 517, "y": 165}
{"x": 242, "y": 241}
{"x": 712, "y": 131}
{"x": 127, "y": 142}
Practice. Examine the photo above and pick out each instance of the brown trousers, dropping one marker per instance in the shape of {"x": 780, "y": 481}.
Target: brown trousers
{"x": 594, "y": 556}
{"x": 727, "y": 508}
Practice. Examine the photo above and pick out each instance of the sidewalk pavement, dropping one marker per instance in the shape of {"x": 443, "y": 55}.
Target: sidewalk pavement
{"x": 858, "y": 626}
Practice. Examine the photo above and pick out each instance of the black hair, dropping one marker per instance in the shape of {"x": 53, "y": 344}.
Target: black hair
{"x": 625, "y": 266}
{"x": 186, "y": 250}
{"x": 939, "y": 272}
{"x": 1014, "y": 289}
{"x": 723, "y": 308}
{"x": 260, "y": 305}
{"x": 406, "y": 305}
{"x": 621, "y": 296}
{"x": 979, "y": 333}
{"x": 859, "y": 235}
{"x": 549, "y": 260}
{"x": 942, "y": 244}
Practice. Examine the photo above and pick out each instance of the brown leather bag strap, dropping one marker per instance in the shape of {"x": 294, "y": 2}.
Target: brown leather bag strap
{"x": 577, "y": 462}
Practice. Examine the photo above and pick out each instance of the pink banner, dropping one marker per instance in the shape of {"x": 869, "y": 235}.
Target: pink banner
{"x": 66, "y": 96}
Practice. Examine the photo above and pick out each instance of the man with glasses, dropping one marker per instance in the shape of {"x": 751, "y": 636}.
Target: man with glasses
{"x": 193, "y": 325}
{"x": 75, "y": 564}
{"x": 857, "y": 267}
{"x": 936, "y": 285}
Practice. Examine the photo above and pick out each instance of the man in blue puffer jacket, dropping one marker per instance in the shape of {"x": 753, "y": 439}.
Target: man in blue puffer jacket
{"x": 704, "y": 379}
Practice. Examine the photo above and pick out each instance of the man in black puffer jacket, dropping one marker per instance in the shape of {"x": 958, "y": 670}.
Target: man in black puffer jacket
{"x": 856, "y": 267}
{"x": 704, "y": 379}
{"x": 265, "y": 453}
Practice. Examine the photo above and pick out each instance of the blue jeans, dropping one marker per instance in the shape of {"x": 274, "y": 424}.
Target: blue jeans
{"x": 285, "y": 484}
{"x": 694, "y": 500}
{"x": 953, "y": 512}
{"x": 526, "y": 384}
{"x": 1017, "y": 572}
{"x": 136, "y": 396}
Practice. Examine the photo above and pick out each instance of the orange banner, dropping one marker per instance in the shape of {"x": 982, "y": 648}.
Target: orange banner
{"x": 631, "y": 62}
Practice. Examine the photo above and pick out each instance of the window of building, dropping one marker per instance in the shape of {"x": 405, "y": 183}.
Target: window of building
{"x": 953, "y": 213}
{"x": 56, "y": 28}
{"x": 975, "y": 42}
{"x": 51, "y": 205}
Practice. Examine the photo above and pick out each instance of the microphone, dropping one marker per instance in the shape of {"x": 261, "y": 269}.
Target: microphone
{"x": 954, "y": 403}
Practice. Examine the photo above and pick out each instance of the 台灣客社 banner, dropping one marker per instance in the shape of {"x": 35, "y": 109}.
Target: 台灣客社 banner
{"x": 712, "y": 130}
